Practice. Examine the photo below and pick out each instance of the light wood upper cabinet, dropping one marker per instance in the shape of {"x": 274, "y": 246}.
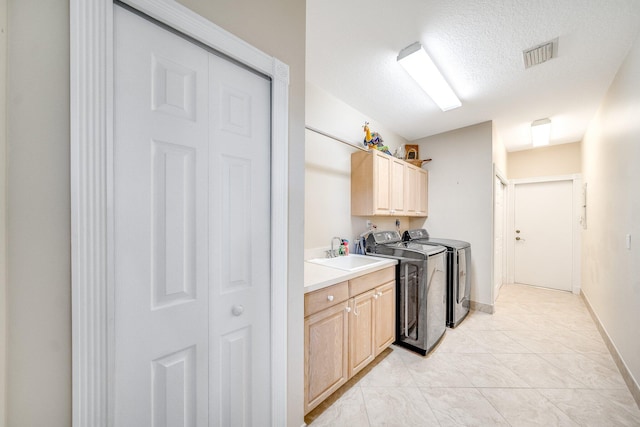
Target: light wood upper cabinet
{"x": 384, "y": 185}
{"x": 422, "y": 193}
{"x": 397, "y": 186}
{"x": 411, "y": 189}
{"x": 381, "y": 173}
{"x": 415, "y": 190}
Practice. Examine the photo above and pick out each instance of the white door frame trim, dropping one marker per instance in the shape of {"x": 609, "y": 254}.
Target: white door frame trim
{"x": 503, "y": 179}
{"x": 91, "y": 74}
{"x": 576, "y": 179}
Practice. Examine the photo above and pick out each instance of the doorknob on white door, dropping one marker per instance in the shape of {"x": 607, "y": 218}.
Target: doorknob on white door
{"x": 237, "y": 310}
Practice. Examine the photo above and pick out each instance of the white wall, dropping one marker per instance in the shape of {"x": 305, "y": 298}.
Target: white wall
{"x": 500, "y": 170}
{"x": 328, "y": 171}
{"x": 39, "y": 284}
{"x": 461, "y": 197}
{"x": 3, "y": 212}
{"x": 611, "y": 168}
{"x": 500, "y": 154}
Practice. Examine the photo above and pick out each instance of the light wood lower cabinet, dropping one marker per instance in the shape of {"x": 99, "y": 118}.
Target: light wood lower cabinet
{"x": 385, "y": 321}
{"x": 361, "y": 332}
{"x": 343, "y": 335}
{"x": 326, "y": 353}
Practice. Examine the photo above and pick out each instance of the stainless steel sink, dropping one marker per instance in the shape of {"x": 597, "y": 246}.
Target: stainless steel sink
{"x": 349, "y": 263}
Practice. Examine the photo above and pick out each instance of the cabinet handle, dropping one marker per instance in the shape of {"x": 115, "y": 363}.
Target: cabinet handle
{"x": 380, "y": 293}
{"x": 348, "y": 309}
{"x": 375, "y": 296}
{"x": 330, "y": 298}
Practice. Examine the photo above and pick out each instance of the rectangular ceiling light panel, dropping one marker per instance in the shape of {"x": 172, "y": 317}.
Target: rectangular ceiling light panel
{"x": 419, "y": 65}
{"x": 540, "y": 132}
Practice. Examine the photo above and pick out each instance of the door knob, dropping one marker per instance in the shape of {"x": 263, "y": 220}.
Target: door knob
{"x": 237, "y": 310}
{"x": 519, "y": 238}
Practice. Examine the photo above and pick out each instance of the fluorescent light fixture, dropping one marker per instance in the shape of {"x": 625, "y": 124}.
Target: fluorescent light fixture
{"x": 540, "y": 132}
{"x": 415, "y": 60}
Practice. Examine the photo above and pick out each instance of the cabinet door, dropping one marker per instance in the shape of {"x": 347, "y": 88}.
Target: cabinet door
{"x": 378, "y": 184}
{"x": 385, "y": 316}
{"x": 411, "y": 190}
{"x": 326, "y": 353}
{"x": 382, "y": 169}
{"x": 361, "y": 332}
{"x": 388, "y": 185}
{"x": 423, "y": 193}
{"x": 397, "y": 186}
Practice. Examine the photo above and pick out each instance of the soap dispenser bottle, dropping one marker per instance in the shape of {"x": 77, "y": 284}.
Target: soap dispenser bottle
{"x": 345, "y": 247}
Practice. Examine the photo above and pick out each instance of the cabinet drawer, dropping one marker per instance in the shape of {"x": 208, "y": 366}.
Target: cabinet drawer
{"x": 369, "y": 281}
{"x": 324, "y": 298}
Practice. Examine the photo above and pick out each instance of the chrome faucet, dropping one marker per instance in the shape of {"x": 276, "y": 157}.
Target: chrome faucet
{"x": 333, "y": 252}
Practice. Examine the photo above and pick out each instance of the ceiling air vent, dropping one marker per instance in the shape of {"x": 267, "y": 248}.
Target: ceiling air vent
{"x": 541, "y": 53}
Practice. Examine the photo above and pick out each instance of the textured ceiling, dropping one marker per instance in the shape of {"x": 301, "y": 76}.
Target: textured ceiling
{"x": 352, "y": 47}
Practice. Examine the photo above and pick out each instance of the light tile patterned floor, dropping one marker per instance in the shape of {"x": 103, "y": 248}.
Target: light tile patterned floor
{"x": 538, "y": 361}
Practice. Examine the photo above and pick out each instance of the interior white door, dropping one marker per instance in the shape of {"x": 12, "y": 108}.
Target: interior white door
{"x": 191, "y": 189}
{"x": 498, "y": 235}
{"x": 543, "y": 213}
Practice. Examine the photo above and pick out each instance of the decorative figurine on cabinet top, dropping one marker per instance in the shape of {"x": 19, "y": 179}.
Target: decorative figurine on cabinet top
{"x": 373, "y": 140}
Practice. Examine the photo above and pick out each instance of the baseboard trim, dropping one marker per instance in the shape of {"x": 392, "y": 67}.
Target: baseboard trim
{"x": 632, "y": 384}
{"x": 485, "y": 308}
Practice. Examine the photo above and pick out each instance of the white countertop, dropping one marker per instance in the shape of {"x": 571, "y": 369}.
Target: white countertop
{"x": 318, "y": 276}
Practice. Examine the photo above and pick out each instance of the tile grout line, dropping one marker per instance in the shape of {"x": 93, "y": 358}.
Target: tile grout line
{"x": 494, "y": 406}
{"x": 415, "y": 384}
{"x": 366, "y": 411}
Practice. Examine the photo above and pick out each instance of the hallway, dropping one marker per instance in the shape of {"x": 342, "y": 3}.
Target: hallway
{"x": 538, "y": 361}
